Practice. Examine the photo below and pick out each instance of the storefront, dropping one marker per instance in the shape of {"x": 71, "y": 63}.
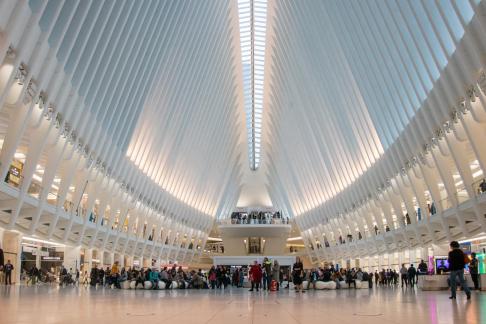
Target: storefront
{"x": 45, "y": 255}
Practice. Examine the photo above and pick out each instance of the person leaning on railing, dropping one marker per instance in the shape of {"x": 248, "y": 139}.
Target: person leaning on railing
{"x": 482, "y": 186}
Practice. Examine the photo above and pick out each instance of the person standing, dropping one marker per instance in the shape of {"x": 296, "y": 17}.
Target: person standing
{"x": 115, "y": 275}
{"x": 267, "y": 275}
{"x": 298, "y": 274}
{"x": 8, "y": 268}
{"x": 412, "y": 272}
{"x": 404, "y": 274}
{"x": 77, "y": 276}
{"x": 422, "y": 269}
{"x": 85, "y": 278}
{"x": 457, "y": 263}
{"x": 255, "y": 276}
{"x": 241, "y": 278}
{"x": 473, "y": 270}
{"x": 212, "y": 277}
{"x": 276, "y": 273}
{"x": 93, "y": 275}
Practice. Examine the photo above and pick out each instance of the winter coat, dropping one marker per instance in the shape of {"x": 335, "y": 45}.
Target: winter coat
{"x": 276, "y": 273}
{"x": 256, "y": 273}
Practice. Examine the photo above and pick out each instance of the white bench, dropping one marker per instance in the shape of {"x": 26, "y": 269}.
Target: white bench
{"x": 362, "y": 284}
{"x": 321, "y": 285}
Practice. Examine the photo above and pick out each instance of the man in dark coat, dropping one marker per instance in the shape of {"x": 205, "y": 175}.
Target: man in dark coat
{"x": 457, "y": 263}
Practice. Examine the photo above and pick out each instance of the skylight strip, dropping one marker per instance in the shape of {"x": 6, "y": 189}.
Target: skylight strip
{"x": 253, "y": 21}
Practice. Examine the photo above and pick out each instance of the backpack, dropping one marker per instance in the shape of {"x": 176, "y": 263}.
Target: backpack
{"x": 365, "y": 276}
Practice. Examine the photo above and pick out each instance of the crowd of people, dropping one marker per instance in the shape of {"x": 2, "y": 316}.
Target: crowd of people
{"x": 268, "y": 275}
{"x": 258, "y": 218}
{"x": 115, "y": 276}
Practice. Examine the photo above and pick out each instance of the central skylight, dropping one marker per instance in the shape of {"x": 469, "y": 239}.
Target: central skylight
{"x": 253, "y": 24}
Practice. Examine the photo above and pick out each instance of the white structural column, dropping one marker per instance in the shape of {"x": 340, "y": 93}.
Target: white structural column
{"x": 386, "y": 104}
{"x": 108, "y": 135}
{"x": 72, "y": 257}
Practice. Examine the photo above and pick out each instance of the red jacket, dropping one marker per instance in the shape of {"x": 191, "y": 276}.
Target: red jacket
{"x": 256, "y": 273}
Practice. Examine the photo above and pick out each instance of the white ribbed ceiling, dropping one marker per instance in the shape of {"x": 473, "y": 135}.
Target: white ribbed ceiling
{"x": 162, "y": 81}
{"x": 345, "y": 80}
{"x": 186, "y": 139}
{"x": 165, "y": 82}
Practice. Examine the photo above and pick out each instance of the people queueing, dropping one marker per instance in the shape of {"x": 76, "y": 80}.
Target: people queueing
{"x": 255, "y": 276}
{"x": 457, "y": 262}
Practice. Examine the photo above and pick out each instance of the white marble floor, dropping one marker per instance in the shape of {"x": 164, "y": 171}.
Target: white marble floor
{"x": 53, "y": 305}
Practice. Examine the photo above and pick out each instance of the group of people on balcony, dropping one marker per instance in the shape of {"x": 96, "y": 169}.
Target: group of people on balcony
{"x": 482, "y": 186}
{"x": 258, "y": 218}
{"x": 406, "y": 220}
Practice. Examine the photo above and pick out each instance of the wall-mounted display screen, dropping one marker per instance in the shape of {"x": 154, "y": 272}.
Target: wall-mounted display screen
{"x": 441, "y": 265}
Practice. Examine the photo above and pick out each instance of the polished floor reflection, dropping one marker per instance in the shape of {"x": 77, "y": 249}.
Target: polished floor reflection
{"x": 20, "y": 304}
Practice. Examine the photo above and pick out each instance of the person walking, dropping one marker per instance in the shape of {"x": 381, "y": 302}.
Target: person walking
{"x": 473, "y": 270}
{"x": 404, "y": 275}
{"x": 8, "y": 268}
{"x": 457, "y": 263}
{"x": 411, "y": 273}
{"x": 298, "y": 274}
{"x": 276, "y": 273}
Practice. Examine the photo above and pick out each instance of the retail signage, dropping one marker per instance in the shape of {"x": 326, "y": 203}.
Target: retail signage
{"x": 14, "y": 172}
{"x": 51, "y": 258}
{"x": 41, "y": 253}
{"x": 466, "y": 247}
{"x": 29, "y": 249}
